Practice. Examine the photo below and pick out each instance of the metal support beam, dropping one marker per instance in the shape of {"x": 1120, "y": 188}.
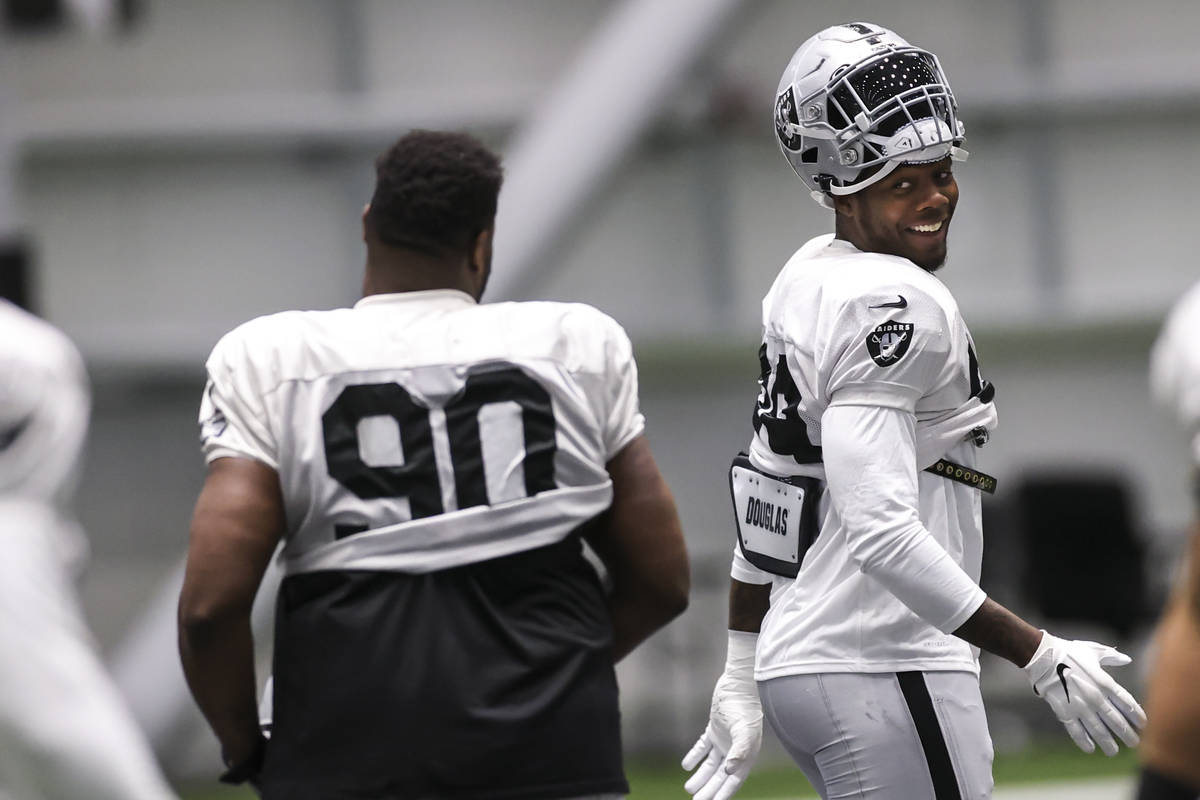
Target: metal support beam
{"x": 590, "y": 120}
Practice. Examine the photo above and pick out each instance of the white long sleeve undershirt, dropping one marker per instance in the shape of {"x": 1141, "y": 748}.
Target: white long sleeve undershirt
{"x": 870, "y": 467}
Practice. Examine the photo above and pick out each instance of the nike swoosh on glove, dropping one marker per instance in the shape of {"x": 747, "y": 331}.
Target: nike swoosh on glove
{"x": 1070, "y": 676}
{"x": 727, "y": 749}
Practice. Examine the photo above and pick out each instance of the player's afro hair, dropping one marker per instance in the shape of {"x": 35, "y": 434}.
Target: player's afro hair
{"x": 435, "y": 191}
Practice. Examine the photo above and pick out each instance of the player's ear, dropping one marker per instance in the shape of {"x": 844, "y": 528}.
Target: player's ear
{"x": 366, "y": 210}
{"x": 481, "y": 258}
{"x": 481, "y": 250}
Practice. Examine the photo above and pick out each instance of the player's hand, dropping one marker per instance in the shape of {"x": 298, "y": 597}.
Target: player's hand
{"x": 1070, "y": 676}
{"x": 727, "y": 749}
{"x": 248, "y": 769}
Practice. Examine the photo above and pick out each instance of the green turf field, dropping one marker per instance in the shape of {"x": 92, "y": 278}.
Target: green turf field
{"x": 665, "y": 781}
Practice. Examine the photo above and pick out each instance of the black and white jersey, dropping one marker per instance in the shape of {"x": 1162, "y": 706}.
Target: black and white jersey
{"x": 844, "y": 329}
{"x": 421, "y": 431}
{"x": 439, "y": 633}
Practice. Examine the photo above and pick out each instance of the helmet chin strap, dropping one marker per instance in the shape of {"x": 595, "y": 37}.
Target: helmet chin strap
{"x": 887, "y": 169}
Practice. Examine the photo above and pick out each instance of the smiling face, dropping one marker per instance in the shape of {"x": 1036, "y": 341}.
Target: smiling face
{"x": 906, "y": 214}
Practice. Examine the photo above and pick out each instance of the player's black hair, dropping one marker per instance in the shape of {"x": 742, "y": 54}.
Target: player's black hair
{"x": 435, "y": 191}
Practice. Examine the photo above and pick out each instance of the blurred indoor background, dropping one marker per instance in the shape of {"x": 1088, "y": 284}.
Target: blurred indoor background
{"x": 172, "y": 168}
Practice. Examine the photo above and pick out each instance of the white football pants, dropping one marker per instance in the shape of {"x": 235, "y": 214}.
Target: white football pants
{"x": 65, "y": 732}
{"x": 884, "y": 736}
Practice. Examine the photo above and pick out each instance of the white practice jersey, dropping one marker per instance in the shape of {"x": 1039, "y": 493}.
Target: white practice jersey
{"x": 421, "y": 431}
{"x": 44, "y": 407}
{"x": 874, "y": 340}
{"x": 1175, "y": 365}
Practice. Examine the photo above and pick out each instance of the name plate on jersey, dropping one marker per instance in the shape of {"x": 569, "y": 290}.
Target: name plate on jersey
{"x": 776, "y": 517}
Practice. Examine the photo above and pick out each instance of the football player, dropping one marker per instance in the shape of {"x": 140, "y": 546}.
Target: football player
{"x": 855, "y": 610}
{"x": 65, "y": 731}
{"x": 434, "y": 468}
{"x": 1170, "y": 749}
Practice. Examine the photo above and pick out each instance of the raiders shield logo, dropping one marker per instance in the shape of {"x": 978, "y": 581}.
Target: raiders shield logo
{"x": 787, "y": 123}
{"x": 888, "y": 343}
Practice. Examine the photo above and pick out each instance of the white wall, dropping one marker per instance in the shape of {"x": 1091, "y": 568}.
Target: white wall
{"x": 281, "y": 223}
{"x": 470, "y": 48}
{"x": 151, "y": 260}
{"x": 182, "y": 49}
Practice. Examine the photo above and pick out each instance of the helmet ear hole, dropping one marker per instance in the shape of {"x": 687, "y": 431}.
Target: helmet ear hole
{"x": 809, "y": 156}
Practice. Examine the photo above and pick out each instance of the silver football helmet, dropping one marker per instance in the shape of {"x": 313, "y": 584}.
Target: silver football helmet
{"x": 855, "y": 102}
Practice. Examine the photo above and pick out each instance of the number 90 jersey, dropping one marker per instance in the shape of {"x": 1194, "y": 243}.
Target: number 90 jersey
{"x": 421, "y": 431}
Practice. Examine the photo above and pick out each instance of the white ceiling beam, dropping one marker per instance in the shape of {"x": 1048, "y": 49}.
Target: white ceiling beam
{"x": 616, "y": 88}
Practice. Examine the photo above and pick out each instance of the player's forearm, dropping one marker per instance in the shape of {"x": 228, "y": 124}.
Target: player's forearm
{"x": 870, "y": 469}
{"x": 645, "y": 597}
{"x": 999, "y": 631}
{"x": 636, "y": 616}
{"x": 237, "y": 523}
{"x": 748, "y": 604}
{"x": 641, "y": 543}
{"x": 218, "y": 662}
{"x": 647, "y": 594}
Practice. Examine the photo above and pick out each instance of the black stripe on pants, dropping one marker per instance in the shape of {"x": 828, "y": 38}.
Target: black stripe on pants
{"x": 937, "y": 756}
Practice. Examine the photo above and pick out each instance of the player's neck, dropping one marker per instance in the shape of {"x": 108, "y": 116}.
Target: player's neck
{"x": 413, "y": 275}
{"x": 846, "y": 232}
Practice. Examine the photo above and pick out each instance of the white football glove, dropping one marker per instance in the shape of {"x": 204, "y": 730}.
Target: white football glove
{"x": 730, "y": 743}
{"x": 1069, "y": 675}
